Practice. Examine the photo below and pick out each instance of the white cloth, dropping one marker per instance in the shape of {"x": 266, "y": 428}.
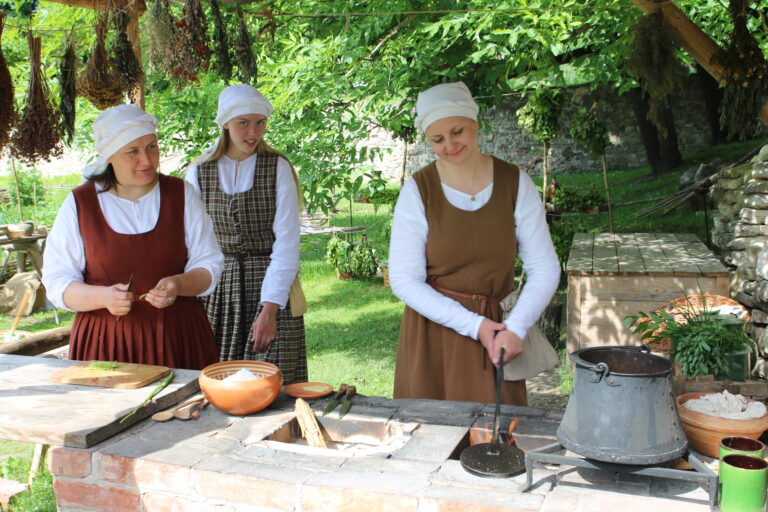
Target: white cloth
{"x": 64, "y": 259}
{"x": 113, "y": 129}
{"x": 236, "y": 177}
{"x": 444, "y": 100}
{"x": 408, "y": 266}
{"x": 239, "y": 100}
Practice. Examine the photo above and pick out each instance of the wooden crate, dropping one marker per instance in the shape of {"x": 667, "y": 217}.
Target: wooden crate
{"x": 611, "y": 276}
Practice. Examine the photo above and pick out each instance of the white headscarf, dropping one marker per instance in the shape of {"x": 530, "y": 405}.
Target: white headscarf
{"x": 240, "y": 100}
{"x": 113, "y": 129}
{"x": 444, "y": 100}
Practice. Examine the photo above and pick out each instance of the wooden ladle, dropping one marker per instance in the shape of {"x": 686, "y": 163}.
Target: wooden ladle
{"x": 170, "y": 413}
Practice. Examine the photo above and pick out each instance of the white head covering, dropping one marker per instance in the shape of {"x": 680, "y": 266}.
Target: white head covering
{"x": 444, "y": 100}
{"x": 113, "y": 129}
{"x": 239, "y": 100}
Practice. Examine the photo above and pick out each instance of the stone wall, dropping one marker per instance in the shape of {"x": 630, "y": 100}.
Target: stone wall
{"x": 741, "y": 231}
{"x": 505, "y": 139}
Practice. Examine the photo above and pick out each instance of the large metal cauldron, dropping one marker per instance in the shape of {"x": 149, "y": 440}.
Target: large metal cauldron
{"x": 621, "y": 408}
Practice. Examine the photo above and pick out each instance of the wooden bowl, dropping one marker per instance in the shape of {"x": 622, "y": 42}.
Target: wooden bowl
{"x": 240, "y": 396}
{"x": 705, "y": 432}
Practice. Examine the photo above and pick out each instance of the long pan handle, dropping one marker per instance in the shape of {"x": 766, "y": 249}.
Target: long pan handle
{"x": 497, "y": 414}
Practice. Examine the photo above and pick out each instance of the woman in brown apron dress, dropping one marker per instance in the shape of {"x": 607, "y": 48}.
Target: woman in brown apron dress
{"x": 457, "y": 228}
{"x": 251, "y": 193}
{"x": 130, "y": 251}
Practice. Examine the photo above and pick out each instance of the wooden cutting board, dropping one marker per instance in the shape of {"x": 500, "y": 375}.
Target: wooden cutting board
{"x": 125, "y": 376}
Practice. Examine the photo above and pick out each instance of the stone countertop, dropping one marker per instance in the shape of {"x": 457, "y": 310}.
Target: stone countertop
{"x": 224, "y": 462}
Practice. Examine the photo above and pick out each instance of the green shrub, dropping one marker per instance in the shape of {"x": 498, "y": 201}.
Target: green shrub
{"x": 31, "y": 188}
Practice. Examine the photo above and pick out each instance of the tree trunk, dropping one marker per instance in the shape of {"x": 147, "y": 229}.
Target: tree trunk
{"x": 649, "y": 135}
{"x": 545, "y": 172}
{"x": 607, "y": 192}
{"x": 712, "y": 95}
{"x": 670, "y": 153}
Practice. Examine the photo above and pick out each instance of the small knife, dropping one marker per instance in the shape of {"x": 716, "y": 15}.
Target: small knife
{"x": 335, "y": 400}
{"x": 347, "y": 401}
{"x": 130, "y": 287}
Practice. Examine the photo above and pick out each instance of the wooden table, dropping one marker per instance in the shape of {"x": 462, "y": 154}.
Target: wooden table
{"x": 25, "y": 246}
{"x": 34, "y": 409}
{"x": 611, "y": 276}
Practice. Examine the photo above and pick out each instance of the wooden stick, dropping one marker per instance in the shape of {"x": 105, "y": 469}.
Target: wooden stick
{"x": 23, "y": 305}
{"x": 310, "y": 430}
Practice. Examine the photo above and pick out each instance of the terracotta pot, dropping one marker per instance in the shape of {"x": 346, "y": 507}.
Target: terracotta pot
{"x": 343, "y": 275}
{"x": 385, "y": 275}
{"x": 704, "y": 432}
{"x": 241, "y": 396}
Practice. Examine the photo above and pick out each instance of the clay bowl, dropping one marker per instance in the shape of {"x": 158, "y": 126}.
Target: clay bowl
{"x": 240, "y": 396}
{"x": 705, "y": 432}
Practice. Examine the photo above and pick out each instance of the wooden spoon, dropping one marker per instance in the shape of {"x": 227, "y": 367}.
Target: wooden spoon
{"x": 169, "y": 413}
{"x": 187, "y": 411}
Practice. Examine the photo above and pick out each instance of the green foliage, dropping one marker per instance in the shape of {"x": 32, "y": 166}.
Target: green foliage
{"x": 539, "y": 116}
{"x": 701, "y": 339}
{"x": 569, "y": 199}
{"x": 589, "y": 130}
{"x": 39, "y": 497}
{"x": 31, "y": 187}
{"x": 357, "y": 259}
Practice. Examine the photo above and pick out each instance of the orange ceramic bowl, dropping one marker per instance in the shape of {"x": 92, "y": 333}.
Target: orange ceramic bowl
{"x": 240, "y": 396}
{"x": 705, "y": 432}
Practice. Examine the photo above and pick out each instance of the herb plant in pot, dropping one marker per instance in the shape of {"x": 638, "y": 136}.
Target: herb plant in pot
{"x": 703, "y": 341}
{"x": 351, "y": 259}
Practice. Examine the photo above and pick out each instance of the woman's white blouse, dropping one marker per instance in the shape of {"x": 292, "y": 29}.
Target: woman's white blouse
{"x": 408, "y": 264}
{"x": 64, "y": 259}
{"x": 236, "y": 177}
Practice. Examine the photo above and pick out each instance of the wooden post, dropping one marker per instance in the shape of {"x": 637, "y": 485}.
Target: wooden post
{"x": 697, "y": 43}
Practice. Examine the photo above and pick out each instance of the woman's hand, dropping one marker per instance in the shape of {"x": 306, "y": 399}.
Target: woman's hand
{"x": 513, "y": 347}
{"x": 164, "y": 293}
{"x": 117, "y": 299}
{"x": 487, "y": 333}
{"x": 264, "y": 327}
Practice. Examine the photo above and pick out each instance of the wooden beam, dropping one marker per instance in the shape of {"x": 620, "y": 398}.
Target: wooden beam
{"x": 38, "y": 343}
{"x": 695, "y": 41}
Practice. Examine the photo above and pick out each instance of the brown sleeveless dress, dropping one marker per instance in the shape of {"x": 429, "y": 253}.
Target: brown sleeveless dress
{"x": 178, "y": 336}
{"x": 471, "y": 253}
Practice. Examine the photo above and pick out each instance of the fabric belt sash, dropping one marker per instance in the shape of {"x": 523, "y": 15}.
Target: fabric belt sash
{"x": 241, "y": 257}
{"x": 484, "y": 300}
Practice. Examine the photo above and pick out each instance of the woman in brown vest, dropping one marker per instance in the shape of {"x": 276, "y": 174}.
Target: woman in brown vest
{"x": 130, "y": 251}
{"x": 456, "y": 230}
{"x": 251, "y": 193}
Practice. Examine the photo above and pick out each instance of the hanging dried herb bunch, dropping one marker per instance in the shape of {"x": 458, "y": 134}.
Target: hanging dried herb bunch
{"x": 246, "y": 62}
{"x": 220, "y": 43}
{"x": 194, "y": 30}
{"x": 653, "y": 60}
{"x": 123, "y": 57}
{"x": 99, "y": 82}
{"x": 8, "y": 115}
{"x": 68, "y": 88}
{"x": 745, "y": 77}
{"x": 37, "y": 135}
{"x": 164, "y": 37}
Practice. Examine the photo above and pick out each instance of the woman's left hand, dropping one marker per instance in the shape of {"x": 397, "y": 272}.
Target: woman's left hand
{"x": 513, "y": 346}
{"x": 164, "y": 293}
{"x": 264, "y": 327}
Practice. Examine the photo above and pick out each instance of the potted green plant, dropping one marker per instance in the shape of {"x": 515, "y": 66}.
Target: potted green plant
{"x": 338, "y": 254}
{"x": 703, "y": 342}
{"x": 363, "y": 259}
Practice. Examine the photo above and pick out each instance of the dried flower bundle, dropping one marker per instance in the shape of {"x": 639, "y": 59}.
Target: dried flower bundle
{"x": 198, "y": 53}
{"x": 37, "y": 135}
{"x": 221, "y": 44}
{"x": 68, "y": 88}
{"x": 99, "y": 82}
{"x": 246, "y": 62}
{"x": 745, "y": 77}
{"x": 123, "y": 57}
{"x": 8, "y": 116}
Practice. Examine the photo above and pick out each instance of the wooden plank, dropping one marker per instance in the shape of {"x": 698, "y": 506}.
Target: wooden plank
{"x": 573, "y": 312}
{"x": 37, "y": 410}
{"x": 124, "y": 376}
{"x": 604, "y": 258}
{"x": 688, "y": 237}
{"x": 630, "y": 260}
{"x": 654, "y": 259}
{"x": 38, "y": 343}
{"x": 580, "y": 255}
{"x": 650, "y": 287}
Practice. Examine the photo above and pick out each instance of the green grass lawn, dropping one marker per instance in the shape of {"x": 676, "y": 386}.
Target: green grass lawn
{"x": 352, "y": 326}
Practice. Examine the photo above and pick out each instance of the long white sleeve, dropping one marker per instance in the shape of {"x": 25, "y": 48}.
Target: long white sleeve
{"x": 407, "y": 260}
{"x": 64, "y": 258}
{"x": 236, "y": 177}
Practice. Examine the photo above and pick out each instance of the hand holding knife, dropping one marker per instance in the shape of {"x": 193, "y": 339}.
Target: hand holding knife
{"x": 130, "y": 287}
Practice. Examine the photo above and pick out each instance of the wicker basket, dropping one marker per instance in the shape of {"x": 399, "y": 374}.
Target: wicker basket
{"x": 693, "y": 305}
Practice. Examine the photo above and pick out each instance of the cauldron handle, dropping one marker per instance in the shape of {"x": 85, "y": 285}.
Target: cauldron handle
{"x": 601, "y": 370}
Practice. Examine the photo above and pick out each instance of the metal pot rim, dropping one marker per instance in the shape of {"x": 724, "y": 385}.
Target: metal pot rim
{"x": 581, "y": 363}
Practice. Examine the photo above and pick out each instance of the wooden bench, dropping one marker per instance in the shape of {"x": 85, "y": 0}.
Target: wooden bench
{"x": 611, "y": 276}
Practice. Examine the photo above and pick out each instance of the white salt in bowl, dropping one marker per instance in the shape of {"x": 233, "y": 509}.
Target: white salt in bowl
{"x": 240, "y": 397}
